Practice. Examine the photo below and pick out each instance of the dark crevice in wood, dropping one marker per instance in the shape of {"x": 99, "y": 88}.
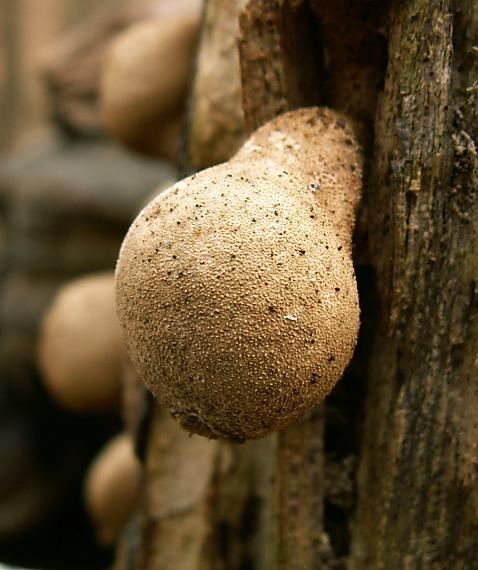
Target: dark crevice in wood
{"x": 233, "y": 537}
{"x": 354, "y": 44}
{"x": 344, "y": 410}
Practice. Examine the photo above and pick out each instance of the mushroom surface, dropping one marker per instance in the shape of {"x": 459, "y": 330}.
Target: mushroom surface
{"x": 236, "y": 288}
{"x": 81, "y": 347}
{"x": 112, "y": 488}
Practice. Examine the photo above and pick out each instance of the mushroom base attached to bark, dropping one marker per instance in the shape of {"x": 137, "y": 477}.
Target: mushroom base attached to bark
{"x": 236, "y": 289}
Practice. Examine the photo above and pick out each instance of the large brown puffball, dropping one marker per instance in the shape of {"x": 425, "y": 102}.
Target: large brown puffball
{"x": 145, "y": 81}
{"x": 236, "y": 289}
{"x": 112, "y": 488}
{"x": 81, "y": 347}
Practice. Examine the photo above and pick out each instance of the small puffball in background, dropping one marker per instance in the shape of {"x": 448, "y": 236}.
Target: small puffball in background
{"x": 112, "y": 488}
{"x": 145, "y": 81}
{"x": 81, "y": 348}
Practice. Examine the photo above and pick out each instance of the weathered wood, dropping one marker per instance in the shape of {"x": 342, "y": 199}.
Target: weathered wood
{"x": 216, "y": 121}
{"x": 178, "y": 472}
{"x": 279, "y": 56}
{"x": 301, "y": 488}
{"x": 418, "y": 492}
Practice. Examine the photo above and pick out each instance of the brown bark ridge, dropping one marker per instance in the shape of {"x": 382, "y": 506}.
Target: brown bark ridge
{"x": 418, "y": 493}
{"x": 178, "y": 471}
{"x": 216, "y": 122}
{"x": 274, "y": 36}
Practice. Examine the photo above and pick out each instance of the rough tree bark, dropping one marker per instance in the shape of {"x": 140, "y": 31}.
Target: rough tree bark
{"x": 418, "y": 493}
{"x": 384, "y": 474}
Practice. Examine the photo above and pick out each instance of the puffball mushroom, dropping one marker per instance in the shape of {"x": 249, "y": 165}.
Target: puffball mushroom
{"x": 145, "y": 81}
{"x": 81, "y": 348}
{"x": 236, "y": 289}
{"x": 112, "y": 488}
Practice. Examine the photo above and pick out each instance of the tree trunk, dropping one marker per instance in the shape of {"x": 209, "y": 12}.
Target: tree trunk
{"x": 383, "y": 474}
{"x": 418, "y": 494}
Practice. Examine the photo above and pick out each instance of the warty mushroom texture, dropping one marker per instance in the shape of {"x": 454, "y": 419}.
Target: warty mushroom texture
{"x": 236, "y": 289}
